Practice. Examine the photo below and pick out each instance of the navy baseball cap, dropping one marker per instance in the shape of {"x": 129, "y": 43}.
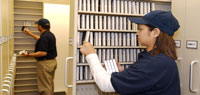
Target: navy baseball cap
{"x": 164, "y": 20}
{"x": 43, "y": 22}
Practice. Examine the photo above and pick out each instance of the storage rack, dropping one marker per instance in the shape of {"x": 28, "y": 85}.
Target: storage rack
{"x": 111, "y": 33}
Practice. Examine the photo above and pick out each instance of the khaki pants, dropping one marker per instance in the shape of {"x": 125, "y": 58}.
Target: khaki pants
{"x": 45, "y": 72}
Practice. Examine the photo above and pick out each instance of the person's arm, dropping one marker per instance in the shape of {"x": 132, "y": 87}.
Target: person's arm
{"x": 101, "y": 77}
{"x": 36, "y": 54}
{"x": 28, "y": 32}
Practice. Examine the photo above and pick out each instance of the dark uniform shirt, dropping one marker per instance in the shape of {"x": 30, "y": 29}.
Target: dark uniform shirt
{"x": 47, "y": 43}
{"x": 150, "y": 75}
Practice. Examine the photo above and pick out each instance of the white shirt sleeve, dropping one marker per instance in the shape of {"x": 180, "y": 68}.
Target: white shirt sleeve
{"x": 101, "y": 77}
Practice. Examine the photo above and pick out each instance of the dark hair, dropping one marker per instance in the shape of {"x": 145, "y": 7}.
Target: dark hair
{"x": 164, "y": 44}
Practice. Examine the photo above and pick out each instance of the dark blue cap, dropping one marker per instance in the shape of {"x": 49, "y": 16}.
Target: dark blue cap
{"x": 164, "y": 20}
{"x": 44, "y": 23}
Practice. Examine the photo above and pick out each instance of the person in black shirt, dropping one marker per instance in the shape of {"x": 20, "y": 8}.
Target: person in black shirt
{"x": 155, "y": 72}
{"x": 45, "y": 54}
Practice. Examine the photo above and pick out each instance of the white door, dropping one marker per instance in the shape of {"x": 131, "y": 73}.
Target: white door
{"x": 188, "y": 14}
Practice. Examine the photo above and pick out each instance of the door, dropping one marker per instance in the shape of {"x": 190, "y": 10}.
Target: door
{"x": 188, "y": 15}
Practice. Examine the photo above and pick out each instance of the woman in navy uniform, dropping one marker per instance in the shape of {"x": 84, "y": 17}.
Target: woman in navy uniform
{"x": 155, "y": 72}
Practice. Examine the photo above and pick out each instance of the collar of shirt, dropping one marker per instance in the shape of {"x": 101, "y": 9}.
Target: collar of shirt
{"x": 144, "y": 54}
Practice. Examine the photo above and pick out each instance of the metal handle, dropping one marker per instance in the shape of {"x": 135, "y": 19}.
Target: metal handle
{"x": 178, "y": 61}
{"x": 68, "y": 58}
{"x": 191, "y": 74}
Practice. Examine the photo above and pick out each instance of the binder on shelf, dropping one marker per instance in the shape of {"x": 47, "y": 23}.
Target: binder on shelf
{"x": 84, "y": 5}
{"x": 80, "y": 38}
{"x": 108, "y": 38}
{"x": 87, "y": 22}
{"x": 77, "y": 73}
{"x": 116, "y": 39}
{"x": 120, "y": 23}
{"x": 111, "y": 54}
{"x": 82, "y": 58}
{"x": 107, "y": 54}
{"x": 129, "y": 7}
{"x": 105, "y": 22}
{"x": 116, "y": 54}
{"x": 114, "y": 6}
{"x": 113, "y": 23}
{"x": 118, "y": 6}
{"x": 91, "y": 38}
{"x": 134, "y": 7}
{"x": 137, "y": 6}
{"x": 120, "y": 39}
{"x": 152, "y": 6}
{"x": 132, "y": 39}
{"x": 97, "y": 6}
{"x": 102, "y": 5}
{"x": 77, "y": 56}
{"x": 86, "y": 73}
{"x": 124, "y": 55}
{"x": 83, "y": 21}
{"x": 145, "y": 8}
{"x": 96, "y": 22}
{"x": 127, "y": 55}
{"x": 104, "y": 55}
{"x": 109, "y": 6}
{"x": 81, "y": 72}
{"x": 106, "y": 6}
{"x": 93, "y": 5}
{"x": 117, "y": 23}
{"x": 125, "y": 7}
{"x": 124, "y": 39}
{"x": 128, "y": 39}
{"x": 99, "y": 34}
{"x": 80, "y": 5}
{"x": 131, "y": 55}
{"x": 88, "y": 5}
{"x": 100, "y": 22}
{"x": 122, "y": 6}
{"x": 112, "y": 39}
{"x": 109, "y": 22}
{"x": 87, "y": 36}
{"x": 91, "y": 21}
{"x": 148, "y": 7}
{"x": 135, "y": 40}
{"x": 141, "y": 8}
{"x": 96, "y": 38}
{"x": 79, "y": 21}
{"x": 129, "y": 24}
{"x": 135, "y": 55}
{"x": 120, "y": 55}
{"x": 124, "y": 23}
{"x": 104, "y": 38}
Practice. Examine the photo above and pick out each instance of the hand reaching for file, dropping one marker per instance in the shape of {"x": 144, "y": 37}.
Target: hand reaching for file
{"x": 27, "y": 31}
{"x": 87, "y": 48}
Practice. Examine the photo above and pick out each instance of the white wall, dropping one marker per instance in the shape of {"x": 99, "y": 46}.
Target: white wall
{"x": 58, "y": 16}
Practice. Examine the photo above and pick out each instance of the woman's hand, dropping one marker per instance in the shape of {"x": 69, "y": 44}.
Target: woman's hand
{"x": 120, "y": 68}
{"x": 87, "y": 48}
